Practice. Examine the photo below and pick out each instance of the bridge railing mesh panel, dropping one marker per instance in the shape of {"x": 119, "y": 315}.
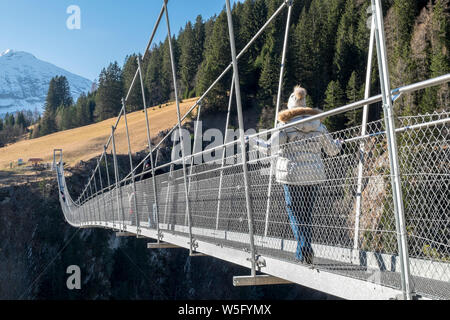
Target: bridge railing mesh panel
{"x": 322, "y": 194}
{"x": 425, "y": 167}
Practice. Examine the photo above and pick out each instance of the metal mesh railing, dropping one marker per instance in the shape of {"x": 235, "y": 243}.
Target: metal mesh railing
{"x": 369, "y": 202}
{"x": 325, "y": 210}
{"x": 425, "y": 166}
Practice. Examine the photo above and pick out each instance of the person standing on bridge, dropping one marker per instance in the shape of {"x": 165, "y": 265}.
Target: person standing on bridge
{"x": 300, "y": 168}
{"x": 146, "y": 170}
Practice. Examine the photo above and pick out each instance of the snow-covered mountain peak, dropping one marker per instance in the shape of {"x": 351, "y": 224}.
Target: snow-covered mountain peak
{"x": 7, "y": 51}
{"x": 24, "y": 81}
{"x": 10, "y": 53}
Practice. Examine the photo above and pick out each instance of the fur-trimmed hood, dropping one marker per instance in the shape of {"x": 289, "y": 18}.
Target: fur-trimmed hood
{"x": 296, "y": 114}
{"x": 287, "y": 115}
{"x": 299, "y": 148}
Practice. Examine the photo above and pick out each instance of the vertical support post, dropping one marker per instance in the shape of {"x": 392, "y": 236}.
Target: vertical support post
{"x": 393, "y": 151}
{"x": 150, "y": 148}
{"x": 96, "y": 198}
{"x": 109, "y": 185}
{"x": 106, "y": 166}
{"x": 80, "y": 210}
{"x": 169, "y": 180}
{"x": 83, "y": 211}
{"x": 118, "y": 189}
{"x": 242, "y": 132}
{"x": 54, "y": 161}
{"x": 88, "y": 207}
{"x": 365, "y": 117}
{"x": 131, "y": 166}
{"x": 280, "y": 91}
{"x": 91, "y": 209}
{"x": 191, "y": 169}
{"x": 101, "y": 187}
{"x": 85, "y": 207}
{"x": 227, "y": 124}
{"x": 183, "y": 154}
{"x": 78, "y": 214}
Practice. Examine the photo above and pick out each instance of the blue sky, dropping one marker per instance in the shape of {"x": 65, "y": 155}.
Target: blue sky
{"x": 110, "y": 29}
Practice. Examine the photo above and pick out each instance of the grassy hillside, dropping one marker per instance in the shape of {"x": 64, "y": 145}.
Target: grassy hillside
{"x": 87, "y": 142}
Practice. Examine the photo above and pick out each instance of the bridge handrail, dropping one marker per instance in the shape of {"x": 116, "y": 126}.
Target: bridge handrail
{"x": 128, "y": 178}
{"x": 85, "y": 213}
{"x": 349, "y": 107}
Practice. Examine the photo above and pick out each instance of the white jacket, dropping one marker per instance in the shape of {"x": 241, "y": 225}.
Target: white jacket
{"x": 299, "y": 148}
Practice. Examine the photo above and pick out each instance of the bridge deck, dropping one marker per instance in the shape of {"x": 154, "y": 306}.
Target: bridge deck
{"x": 220, "y": 227}
{"x": 374, "y": 209}
{"x": 380, "y": 282}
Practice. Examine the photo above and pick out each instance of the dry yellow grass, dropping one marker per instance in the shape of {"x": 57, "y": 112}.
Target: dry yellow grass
{"x": 87, "y": 142}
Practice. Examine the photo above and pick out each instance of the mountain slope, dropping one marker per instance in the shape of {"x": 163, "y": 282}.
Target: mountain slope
{"x": 85, "y": 143}
{"x": 24, "y": 81}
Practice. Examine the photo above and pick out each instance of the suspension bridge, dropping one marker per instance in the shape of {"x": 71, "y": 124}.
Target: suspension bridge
{"x": 380, "y": 223}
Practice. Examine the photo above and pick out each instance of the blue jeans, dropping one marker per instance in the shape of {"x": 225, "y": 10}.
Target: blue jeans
{"x": 299, "y": 206}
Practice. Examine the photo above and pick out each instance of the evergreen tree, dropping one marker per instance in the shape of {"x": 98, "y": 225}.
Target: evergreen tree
{"x": 21, "y": 121}
{"x": 314, "y": 40}
{"x": 405, "y": 11}
{"x": 84, "y": 109}
{"x": 401, "y": 25}
{"x": 217, "y": 57}
{"x": 327, "y": 48}
{"x": 436, "y": 98}
{"x": 353, "y": 93}
{"x": 153, "y": 77}
{"x": 190, "y": 46}
{"x": 199, "y": 44}
{"x": 251, "y": 16}
{"x": 166, "y": 71}
{"x": 48, "y": 123}
{"x": 110, "y": 93}
{"x": 37, "y": 130}
{"x": 58, "y": 96}
{"x": 334, "y": 98}
{"x": 209, "y": 28}
{"x": 65, "y": 118}
{"x": 130, "y": 67}
{"x": 347, "y": 53}
{"x": 188, "y": 61}
{"x": 9, "y": 120}
{"x": 271, "y": 55}
{"x": 362, "y": 35}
